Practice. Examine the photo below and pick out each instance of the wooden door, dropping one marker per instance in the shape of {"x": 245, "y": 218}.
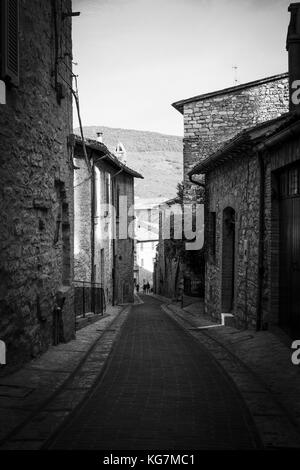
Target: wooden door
{"x": 290, "y": 250}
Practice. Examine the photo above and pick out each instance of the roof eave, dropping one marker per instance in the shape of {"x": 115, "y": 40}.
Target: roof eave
{"x": 244, "y": 141}
{"x": 179, "y": 105}
{"x": 100, "y": 147}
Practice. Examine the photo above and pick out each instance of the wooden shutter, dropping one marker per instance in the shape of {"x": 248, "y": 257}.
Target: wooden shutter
{"x": 10, "y": 41}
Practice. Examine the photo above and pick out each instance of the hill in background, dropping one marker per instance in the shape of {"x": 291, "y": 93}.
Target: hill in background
{"x": 158, "y": 157}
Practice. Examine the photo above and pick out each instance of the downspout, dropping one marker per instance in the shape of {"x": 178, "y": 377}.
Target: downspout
{"x": 114, "y": 248}
{"x": 202, "y": 185}
{"x": 93, "y": 194}
{"x": 261, "y": 165}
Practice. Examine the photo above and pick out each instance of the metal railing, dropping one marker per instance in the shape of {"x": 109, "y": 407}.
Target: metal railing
{"x": 89, "y": 297}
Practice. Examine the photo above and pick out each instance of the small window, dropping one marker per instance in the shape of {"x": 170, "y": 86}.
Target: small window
{"x": 107, "y": 188}
{"x": 9, "y": 41}
{"x": 118, "y": 202}
{"x": 212, "y": 233}
{"x": 293, "y": 181}
{"x": 289, "y": 182}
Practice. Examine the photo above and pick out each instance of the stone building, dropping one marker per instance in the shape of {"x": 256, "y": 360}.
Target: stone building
{"x": 167, "y": 271}
{"x": 146, "y": 236}
{"x": 252, "y": 223}
{"x": 36, "y": 267}
{"x": 176, "y": 266}
{"x": 104, "y": 223}
{"x": 213, "y": 118}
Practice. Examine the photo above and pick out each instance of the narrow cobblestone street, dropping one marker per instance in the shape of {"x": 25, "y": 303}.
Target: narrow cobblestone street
{"x": 161, "y": 390}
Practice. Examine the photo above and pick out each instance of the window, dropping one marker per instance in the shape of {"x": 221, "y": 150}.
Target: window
{"x": 107, "y": 188}
{"x": 212, "y": 233}
{"x": 289, "y": 182}
{"x": 118, "y": 202}
{"x": 9, "y": 45}
{"x": 97, "y": 193}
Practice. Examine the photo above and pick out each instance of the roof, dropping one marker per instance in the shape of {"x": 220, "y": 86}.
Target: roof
{"x": 243, "y": 142}
{"x": 179, "y": 105}
{"x": 103, "y": 150}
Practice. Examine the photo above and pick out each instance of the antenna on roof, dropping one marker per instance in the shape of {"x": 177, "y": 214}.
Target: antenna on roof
{"x": 235, "y": 68}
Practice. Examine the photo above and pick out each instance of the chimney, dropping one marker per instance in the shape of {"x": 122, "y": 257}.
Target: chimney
{"x": 293, "y": 48}
{"x": 121, "y": 152}
{"x": 100, "y": 137}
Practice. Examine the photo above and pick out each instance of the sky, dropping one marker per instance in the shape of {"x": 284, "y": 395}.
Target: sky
{"x": 136, "y": 57}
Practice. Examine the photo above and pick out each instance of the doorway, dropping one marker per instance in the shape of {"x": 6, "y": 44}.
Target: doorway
{"x": 289, "y": 255}
{"x": 228, "y": 259}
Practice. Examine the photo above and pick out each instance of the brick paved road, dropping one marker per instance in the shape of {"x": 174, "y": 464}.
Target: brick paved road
{"x": 161, "y": 390}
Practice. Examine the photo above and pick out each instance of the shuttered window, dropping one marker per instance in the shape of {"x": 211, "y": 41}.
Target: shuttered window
{"x": 290, "y": 182}
{"x": 10, "y": 41}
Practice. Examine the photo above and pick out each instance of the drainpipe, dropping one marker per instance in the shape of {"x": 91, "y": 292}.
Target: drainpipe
{"x": 202, "y": 185}
{"x": 114, "y": 300}
{"x": 93, "y": 194}
{"x": 261, "y": 165}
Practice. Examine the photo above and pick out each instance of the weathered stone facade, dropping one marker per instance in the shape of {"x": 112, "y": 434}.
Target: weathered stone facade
{"x": 37, "y": 188}
{"x": 124, "y": 261}
{"x": 213, "y": 118}
{"x": 100, "y": 255}
{"x": 167, "y": 273}
{"x": 248, "y": 182}
{"x": 168, "y": 266}
{"x": 252, "y": 198}
{"x": 234, "y": 185}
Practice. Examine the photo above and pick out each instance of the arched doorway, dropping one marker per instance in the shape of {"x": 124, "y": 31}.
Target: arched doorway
{"x": 228, "y": 248}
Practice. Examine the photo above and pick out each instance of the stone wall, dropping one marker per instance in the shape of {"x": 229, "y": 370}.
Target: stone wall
{"x": 212, "y": 119}
{"x": 92, "y": 263}
{"x": 168, "y": 270}
{"x": 82, "y": 220}
{"x": 110, "y": 263}
{"x": 125, "y": 247}
{"x": 235, "y": 185}
{"x": 37, "y": 189}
